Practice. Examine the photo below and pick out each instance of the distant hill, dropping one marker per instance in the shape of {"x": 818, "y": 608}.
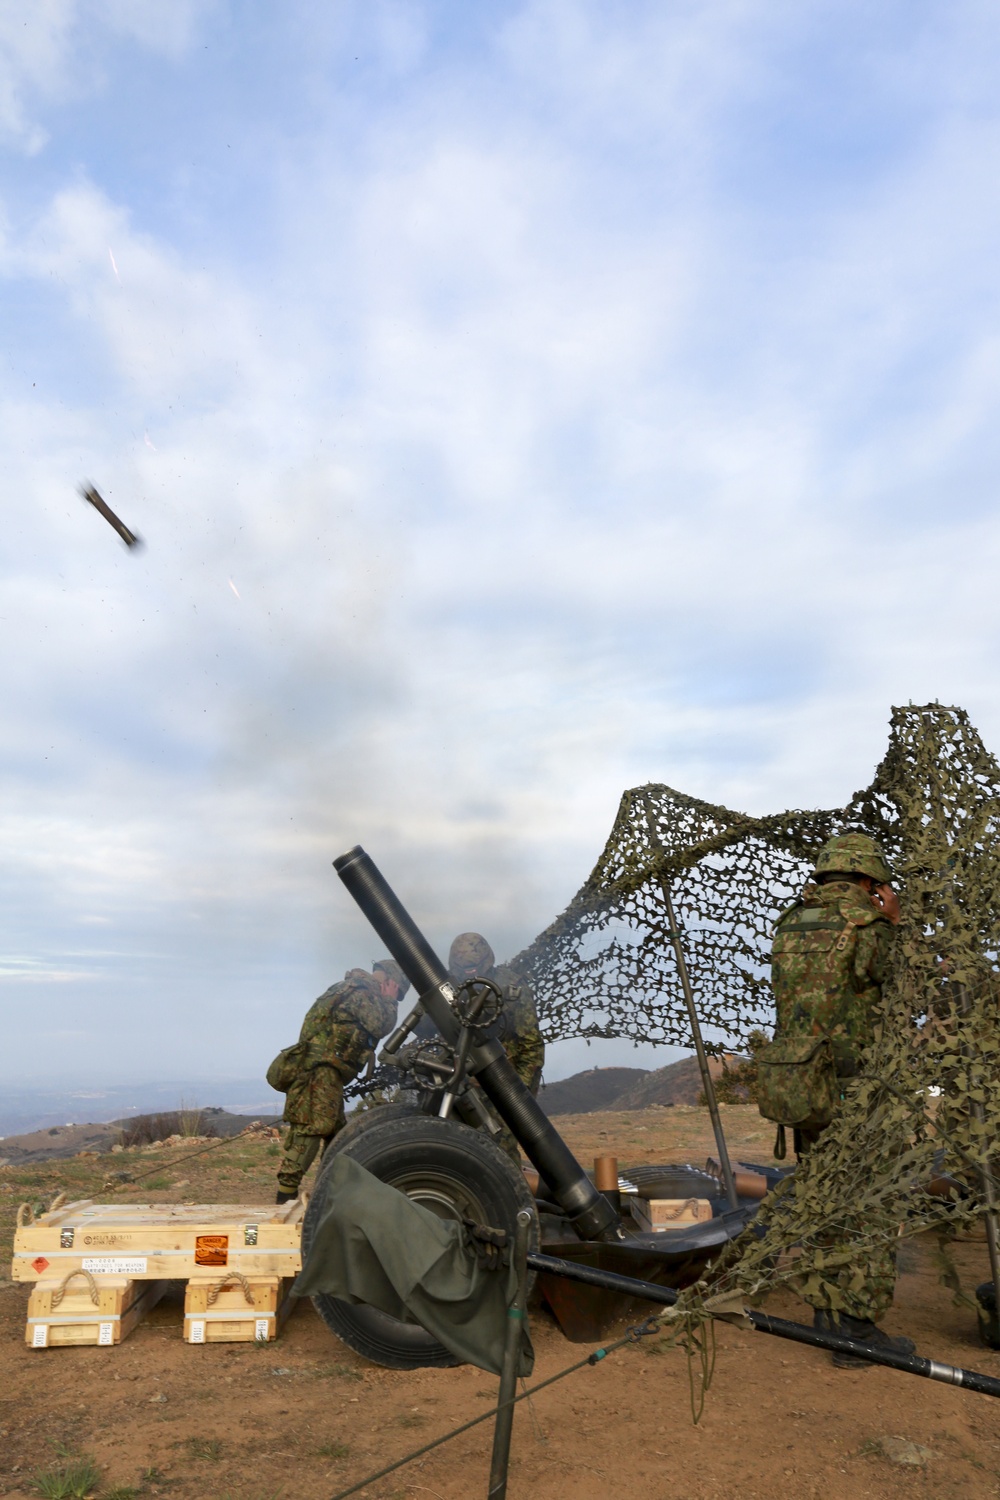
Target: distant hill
{"x": 678, "y": 1083}
{"x": 598, "y": 1088}
{"x": 67, "y": 1140}
{"x": 627, "y": 1088}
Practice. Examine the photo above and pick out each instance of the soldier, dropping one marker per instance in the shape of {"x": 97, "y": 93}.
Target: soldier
{"x": 829, "y": 962}
{"x": 337, "y": 1041}
{"x": 471, "y": 957}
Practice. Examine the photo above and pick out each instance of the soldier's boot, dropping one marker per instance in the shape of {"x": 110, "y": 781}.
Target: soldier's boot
{"x": 284, "y": 1197}
{"x": 862, "y": 1332}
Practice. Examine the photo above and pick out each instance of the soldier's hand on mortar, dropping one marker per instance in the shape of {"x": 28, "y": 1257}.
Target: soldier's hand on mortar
{"x": 885, "y": 897}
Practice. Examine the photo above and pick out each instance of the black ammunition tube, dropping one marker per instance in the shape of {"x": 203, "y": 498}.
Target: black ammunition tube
{"x": 591, "y": 1214}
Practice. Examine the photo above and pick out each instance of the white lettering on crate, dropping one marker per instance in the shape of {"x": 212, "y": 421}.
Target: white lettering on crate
{"x": 116, "y": 1265}
{"x": 261, "y": 1328}
{"x": 197, "y": 1331}
{"x": 40, "y": 1336}
{"x": 105, "y": 1334}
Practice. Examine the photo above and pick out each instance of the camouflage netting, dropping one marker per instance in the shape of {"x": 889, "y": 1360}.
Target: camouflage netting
{"x": 928, "y": 1101}
{"x": 605, "y": 968}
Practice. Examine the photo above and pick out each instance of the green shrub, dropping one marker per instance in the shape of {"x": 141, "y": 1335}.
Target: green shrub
{"x": 74, "y": 1481}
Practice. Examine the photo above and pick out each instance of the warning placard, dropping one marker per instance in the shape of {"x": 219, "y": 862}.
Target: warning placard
{"x": 211, "y": 1249}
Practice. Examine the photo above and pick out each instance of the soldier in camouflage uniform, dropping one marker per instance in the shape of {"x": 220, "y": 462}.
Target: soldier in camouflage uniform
{"x": 471, "y": 957}
{"x": 337, "y": 1041}
{"x": 829, "y": 961}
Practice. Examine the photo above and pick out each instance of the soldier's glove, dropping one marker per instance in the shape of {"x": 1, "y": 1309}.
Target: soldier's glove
{"x": 487, "y": 1244}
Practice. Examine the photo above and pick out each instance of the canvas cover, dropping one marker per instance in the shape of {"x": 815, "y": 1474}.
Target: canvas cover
{"x": 374, "y": 1245}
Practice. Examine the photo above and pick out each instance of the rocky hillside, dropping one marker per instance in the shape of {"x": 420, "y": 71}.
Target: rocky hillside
{"x": 597, "y": 1088}
{"x": 627, "y": 1088}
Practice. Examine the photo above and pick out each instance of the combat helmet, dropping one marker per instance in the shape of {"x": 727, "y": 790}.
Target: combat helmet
{"x": 391, "y": 969}
{"x": 854, "y": 854}
{"x": 470, "y": 954}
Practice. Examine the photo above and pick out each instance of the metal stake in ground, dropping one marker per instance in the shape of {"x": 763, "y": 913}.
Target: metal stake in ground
{"x": 699, "y": 1045}
{"x": 511, "y": 1358}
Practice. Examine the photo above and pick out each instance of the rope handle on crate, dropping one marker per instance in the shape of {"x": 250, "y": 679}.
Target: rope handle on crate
{"x": 60, "y": 1290}
{"x": 26, "y": 1214}
{"x": 228, "y": 1280}
{"x": 675, "y": 1213}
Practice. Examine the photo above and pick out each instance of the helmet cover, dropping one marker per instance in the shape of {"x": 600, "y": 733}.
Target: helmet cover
{"x": 854, "y": 854}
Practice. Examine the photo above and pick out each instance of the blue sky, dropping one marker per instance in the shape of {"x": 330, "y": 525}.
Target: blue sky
{"x": 518, "y": 402}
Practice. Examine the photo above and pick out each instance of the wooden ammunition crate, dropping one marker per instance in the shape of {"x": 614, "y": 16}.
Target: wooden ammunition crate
{"x": 663, "y": 1214}
{"x": 150, "y": 1242}
{"x": 79, "y": 1309}
{"x": 235, "y": 1308}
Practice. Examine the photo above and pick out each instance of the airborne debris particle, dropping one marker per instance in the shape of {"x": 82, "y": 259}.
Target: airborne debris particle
{"x": 234, "y": 588}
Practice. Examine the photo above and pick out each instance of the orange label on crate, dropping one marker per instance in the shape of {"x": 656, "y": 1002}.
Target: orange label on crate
{"x": 40, "y": 1264}
{"x": 211, "y": 1249}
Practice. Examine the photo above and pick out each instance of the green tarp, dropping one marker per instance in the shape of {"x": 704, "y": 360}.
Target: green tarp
{"x": 374, "y": 1245}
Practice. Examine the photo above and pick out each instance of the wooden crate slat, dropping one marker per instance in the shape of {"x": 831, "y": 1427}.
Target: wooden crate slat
{"x": 152, "y": 1241}
{"x": 70, "y": 1327}
{"x": 230, "y": 1318}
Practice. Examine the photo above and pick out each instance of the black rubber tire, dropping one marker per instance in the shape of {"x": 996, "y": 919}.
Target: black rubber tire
{"x": 454, "y": 1171}
{"x": 367, "y": 1119}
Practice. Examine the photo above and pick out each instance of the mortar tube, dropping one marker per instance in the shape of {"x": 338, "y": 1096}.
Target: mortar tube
{"x": 591, "y": 1215}
{"x": 511, "y": 1358}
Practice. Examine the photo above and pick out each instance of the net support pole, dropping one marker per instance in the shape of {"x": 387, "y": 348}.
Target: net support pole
{"x": 511, "y": 1359}
{"x": 699, "y": 1044}
{"x": 985, "y": 1178}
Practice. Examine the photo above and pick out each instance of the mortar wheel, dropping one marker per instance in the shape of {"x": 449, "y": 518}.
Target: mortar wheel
{"x": 455, "y": 1172}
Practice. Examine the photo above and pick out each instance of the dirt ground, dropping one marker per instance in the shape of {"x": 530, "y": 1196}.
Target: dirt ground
{"x": 218, "y": 1422}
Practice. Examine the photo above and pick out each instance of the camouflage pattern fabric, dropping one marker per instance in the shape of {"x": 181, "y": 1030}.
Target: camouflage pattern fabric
{"x": 857, "y": 1277}
{"x": 338, "y": 1037}
{"x": 829, "y": 960}
{"x": 359, "y": 997}
{"x": 315, "y": 1101}
{"x": 471, "y": 957}
{"x": 854, "y": 853}
{"x": 392, "y": 970}
{"x": 300, "y": 1151}
{"x": 605, "y": 967}
{"x": 520, "y": 1035}
{"x": 518, "y": 1032}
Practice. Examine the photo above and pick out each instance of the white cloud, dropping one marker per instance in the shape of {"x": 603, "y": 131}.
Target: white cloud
{"x": 33, "y": 59}
{"x": 544, "y": 460}
{"x": 51, "y": 51}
